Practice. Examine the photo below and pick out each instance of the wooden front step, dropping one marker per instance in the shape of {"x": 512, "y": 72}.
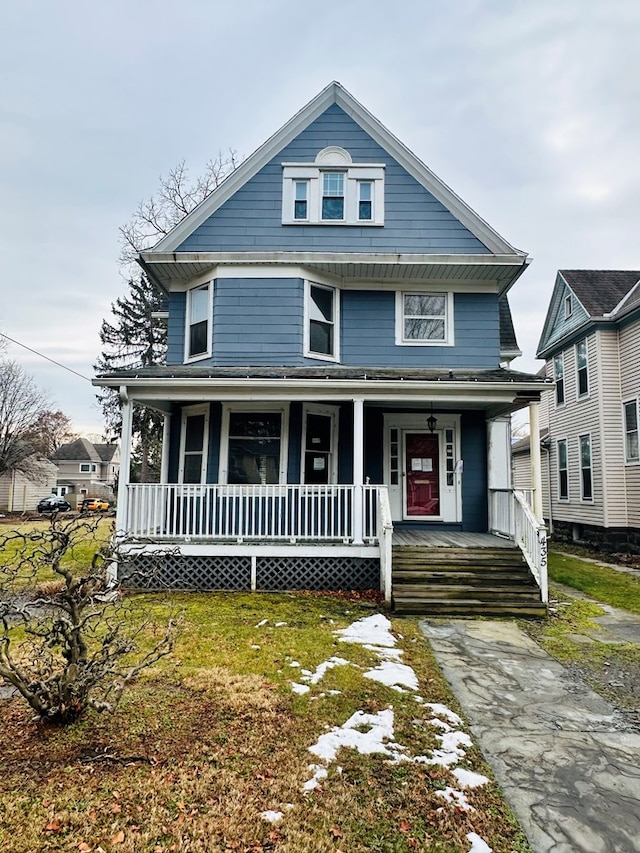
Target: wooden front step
{"x": 464, "y": 582}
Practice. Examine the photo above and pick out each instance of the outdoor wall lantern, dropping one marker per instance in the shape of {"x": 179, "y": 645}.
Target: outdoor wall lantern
{"x": 432, "y": 422}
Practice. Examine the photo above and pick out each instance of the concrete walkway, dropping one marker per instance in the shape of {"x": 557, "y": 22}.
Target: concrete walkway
{"x": 567, "y": 761}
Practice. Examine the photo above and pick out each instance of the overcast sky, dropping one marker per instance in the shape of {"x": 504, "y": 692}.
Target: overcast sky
{"x": 530, "y": 111}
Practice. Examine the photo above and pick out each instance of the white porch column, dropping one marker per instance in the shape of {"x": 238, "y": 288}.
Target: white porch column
{"x": 358, "y": 469}
{"x": 125, "y": 459}
{"x": 536, "y": 463}
{"x": 164, "y": 464}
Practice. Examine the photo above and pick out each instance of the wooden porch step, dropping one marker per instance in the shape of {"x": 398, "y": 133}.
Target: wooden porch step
{"x": 470, "y": 607}
{"x": 463, "y": 591}
{"x": 425, "y": 577}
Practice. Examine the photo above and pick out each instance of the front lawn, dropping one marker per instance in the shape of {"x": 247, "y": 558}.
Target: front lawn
{"x": 609, "y": 586}
{"x": 264, "y": 731}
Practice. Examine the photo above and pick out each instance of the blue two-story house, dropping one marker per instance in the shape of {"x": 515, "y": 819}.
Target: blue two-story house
{"x": 337, "y": 380}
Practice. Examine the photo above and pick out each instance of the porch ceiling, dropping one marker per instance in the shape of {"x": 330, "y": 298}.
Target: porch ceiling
{"x": 496, "y": 392}
{"x": 181, "y": 268}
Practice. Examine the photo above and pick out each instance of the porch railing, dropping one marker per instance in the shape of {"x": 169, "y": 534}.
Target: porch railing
{"x": 510, "y": 514}
{"x": 318, "y": 513}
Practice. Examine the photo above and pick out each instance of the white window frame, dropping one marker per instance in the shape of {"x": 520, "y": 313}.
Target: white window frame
{"x": 227, "y": 409}
{"x": 586, "y": 435}
{"x": 328, "y": 411}
{"x": 307, "y": 351}
{"x": 88, "y": 468}
{"x": 189, "y": 411}
{"x": 568, "y": 306}
{"x": 561, "y": 498}
{"x": 585, "y": 394}
{"x": 187, "y": 325}
{"x": 449, "y": 335}
{"x": 631, "y": 460}
{"x": 333, "y": 159}
{"x": 559, "y": 359}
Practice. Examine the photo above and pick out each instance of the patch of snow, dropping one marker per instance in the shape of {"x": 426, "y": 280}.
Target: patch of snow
{"x": 366, "y": 733}
{"x": 300, "y": 689}
{"x": 271, "y": 816}
{"x": 319, "y": 773}
{"x": 294, "y": 663}
{"x": 262, "y": 623}
{"x": 442, "y": 711}
{"x": 440, "y": 724}
{"x": 280, "y": 624}
{"x": 321, "y": 669}
{"x": 478, "y": 845}
{"x": 451, "y": 795}
{"x": 392, "y": 673}
{"x": 374, "y": 630}
{"x": 255, "y": 647}
{"x": 469, "y": 779}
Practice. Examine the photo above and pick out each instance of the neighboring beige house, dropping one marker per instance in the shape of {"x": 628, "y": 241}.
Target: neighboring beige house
{"x": 19, "y": 493}
{"x": 591, "y": 345}
{"x": 86, "y": 469}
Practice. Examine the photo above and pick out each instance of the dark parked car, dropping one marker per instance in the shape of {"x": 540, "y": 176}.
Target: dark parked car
{"x": 53, "y": 504}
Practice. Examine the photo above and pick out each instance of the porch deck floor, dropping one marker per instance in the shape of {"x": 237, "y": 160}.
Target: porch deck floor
{"x": 448, "y": 539}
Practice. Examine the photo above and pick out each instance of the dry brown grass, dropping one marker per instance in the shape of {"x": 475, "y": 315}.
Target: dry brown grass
{"x": 209, "y": 740}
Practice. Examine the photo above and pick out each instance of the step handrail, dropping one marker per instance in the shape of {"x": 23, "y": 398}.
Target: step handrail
{"x": 531, "y": 536}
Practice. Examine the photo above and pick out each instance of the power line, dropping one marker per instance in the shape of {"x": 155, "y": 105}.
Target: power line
{"x": 41, "y": 355}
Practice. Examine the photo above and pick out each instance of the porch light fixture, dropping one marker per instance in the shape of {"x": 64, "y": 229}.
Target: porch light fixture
{"x": 432, "y": 422}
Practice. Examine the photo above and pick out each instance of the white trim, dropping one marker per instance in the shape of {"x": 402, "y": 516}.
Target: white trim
{"x": 307, "y": 351}
{"x": 332, "y": 412}
{"x": 635, "y": 460}
{"x": 449, "y": 321}
{"x": 249, "y": 549}
{"x": 334, "y": 93}
{"x": 254, "y": 406}
{"x": 187, "y": 412}
{"x": 582, "y": 497}
{"x": 188, "y": 359}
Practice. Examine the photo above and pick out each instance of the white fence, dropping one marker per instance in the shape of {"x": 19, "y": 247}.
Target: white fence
{"x": 267, "y": 513}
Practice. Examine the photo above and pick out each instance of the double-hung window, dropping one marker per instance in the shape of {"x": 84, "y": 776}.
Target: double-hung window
{"x": 582, "y": 368}
{"x": 365, "y": 201}
{"x": 198, "y": 336}
{"x": 332, "y": 196}
{"x": 586, "y": 476}
{"x": 424, "y": 319}
{"x": 558, "y": 373}
{"x": 563, "y": 471}
{"x": 301, "y": 200}
{"x": 631, "y": 448}
{"x": 321, "y": 322}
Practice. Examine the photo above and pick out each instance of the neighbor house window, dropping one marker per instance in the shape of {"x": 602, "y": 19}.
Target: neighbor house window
{"x": 333, "y": 195}
{"x": 563, "y": 471}
{"x": 583, "y": 369}
{"x": 585, "y": 468}
{"x": 255, "y": 449}
{"x": 193, "y": 444}
{"x": 568, "y": 307}
{"x": 321, "y": 309}
{"x": 198, "y": 321}
{"x": 333, "y": 190}
{"x": 632, "y": 451}
{"x": 424, "y": 319}
{"x": 558, "y": 372}
{"x": 88, "y": 468}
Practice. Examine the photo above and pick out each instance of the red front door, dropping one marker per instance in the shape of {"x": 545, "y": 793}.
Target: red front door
{"x": 422, "y": 474}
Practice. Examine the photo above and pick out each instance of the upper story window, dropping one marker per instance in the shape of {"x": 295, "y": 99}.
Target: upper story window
{"x": 321, "y": 321}
{"x": 558, "y": 373}
{"x": 631, "y": 448}
{"x": 88, "y": 468}
{"x": 333, "y": 190}
{"x": 424, "y": 319}
{"x": 568, "y": 306}
{"x": 582, "y": 368}
{"x": 198, "y": 335}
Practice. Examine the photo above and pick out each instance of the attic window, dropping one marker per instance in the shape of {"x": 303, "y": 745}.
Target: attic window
{"x": 333, "y": 191}
{"x": 568, "y": 306}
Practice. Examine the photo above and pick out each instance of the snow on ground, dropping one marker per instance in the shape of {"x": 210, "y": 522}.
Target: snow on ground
{"x": 478, "y": 845}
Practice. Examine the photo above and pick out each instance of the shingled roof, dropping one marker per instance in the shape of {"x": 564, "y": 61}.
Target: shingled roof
{"x": 600, "y": 291}
{"x": 79, "y": 450}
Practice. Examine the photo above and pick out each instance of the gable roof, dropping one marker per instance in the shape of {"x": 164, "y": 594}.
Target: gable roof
{"x": 106, "y": 451}
{"x": 601, "y": 295}
{"x": 79, "y": 450}
{"x": 335, "y": 93}
{"x": 508, "y": 343}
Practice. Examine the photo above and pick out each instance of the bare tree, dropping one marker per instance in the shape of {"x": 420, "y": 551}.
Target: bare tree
{"x": 22, "y": 405}
{"x": 176, "y": 196}
{"x": 68, "y": 639}
{"x": 53, "y": 429}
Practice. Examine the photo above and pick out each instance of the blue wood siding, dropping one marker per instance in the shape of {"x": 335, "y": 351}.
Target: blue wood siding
{"x": 474, "y": 478}
{"x": 260, "y": 322}
{"x": 252, "y": 219}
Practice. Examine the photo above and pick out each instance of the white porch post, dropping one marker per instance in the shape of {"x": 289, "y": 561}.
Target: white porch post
{"x": 125, "y": 459}
{"x": 164, "y": 464}
{"x": 536, "y": 462}
{"x": 358, "y": 469}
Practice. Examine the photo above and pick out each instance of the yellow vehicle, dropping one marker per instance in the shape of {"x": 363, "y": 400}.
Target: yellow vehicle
{"x": 93, "y": 505}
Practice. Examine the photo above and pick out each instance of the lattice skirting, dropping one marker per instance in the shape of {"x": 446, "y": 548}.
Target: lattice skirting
{"x": 175, "y": 571}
